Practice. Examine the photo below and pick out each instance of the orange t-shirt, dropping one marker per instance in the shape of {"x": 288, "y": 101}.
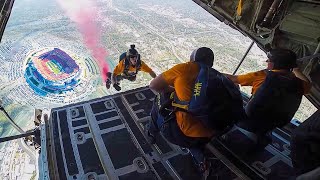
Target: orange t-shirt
{"x": 120, "y": 68}
{"x": 182, "y": 77}
{"x": 255, "y": 79}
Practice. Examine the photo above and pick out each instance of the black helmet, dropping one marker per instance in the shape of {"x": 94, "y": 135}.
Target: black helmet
{"x": 204, "y": 55}
{"x": 132, "y": 51}
{"x": 282, "y": 58}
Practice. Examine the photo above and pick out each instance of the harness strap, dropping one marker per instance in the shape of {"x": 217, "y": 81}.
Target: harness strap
{"x": 179, "y": 104}
{"x": 239, "y": 8}
{"x": 199, "y": 91}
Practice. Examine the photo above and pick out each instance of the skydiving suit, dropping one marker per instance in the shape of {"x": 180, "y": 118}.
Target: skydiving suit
{"x": 129, "y": 72}
{"x": 124, "y": 70}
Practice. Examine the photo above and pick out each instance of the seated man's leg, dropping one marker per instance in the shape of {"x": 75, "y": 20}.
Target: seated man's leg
{"x": 156, "y": 120}
{"x": 173, "y": 134}
{"x": 258, "y": 125}
{"x": 300, "y": 153}
{"x": 152, "y": 128}
{"x": 202, "y": 162}
{"x": 257, "y": 133}
{"x": 257, "y": 121}
{"x": 153, "y": 125}
{"x": 311, "y": 175}
{"x": 305, "y": 145}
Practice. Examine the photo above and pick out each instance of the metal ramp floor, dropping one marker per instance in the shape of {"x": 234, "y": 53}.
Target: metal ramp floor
{"x": 103, "y": 139}
{"x": 271, "y": 162}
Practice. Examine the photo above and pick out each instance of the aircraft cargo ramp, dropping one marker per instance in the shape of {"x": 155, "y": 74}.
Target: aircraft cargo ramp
{"x": 103, "y": 138}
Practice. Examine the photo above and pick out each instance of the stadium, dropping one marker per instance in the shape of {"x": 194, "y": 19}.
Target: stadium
{"x": 51, "y": 71}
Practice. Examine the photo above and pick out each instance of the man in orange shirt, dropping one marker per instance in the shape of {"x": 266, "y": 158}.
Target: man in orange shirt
{"x": 255, "y": 79}
{"x": 129, "y": 66}
{"x": 276, "y": 93}
{"x": 189, "y": 123}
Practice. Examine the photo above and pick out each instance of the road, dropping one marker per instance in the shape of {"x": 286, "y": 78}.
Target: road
{"x": 31, "y": 152}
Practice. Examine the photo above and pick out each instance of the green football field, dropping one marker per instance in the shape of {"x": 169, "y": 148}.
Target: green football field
{"x": 53, "y": 67}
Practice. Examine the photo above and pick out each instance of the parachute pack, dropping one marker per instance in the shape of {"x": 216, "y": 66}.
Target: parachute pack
{"x": 281, "y": 94}
{"x": 216, "y": 100}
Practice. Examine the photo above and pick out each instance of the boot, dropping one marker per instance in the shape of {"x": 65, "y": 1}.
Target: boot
{"x": 204, "y": 167}
{"x": 202, "y": 161}
{"x": 117, "y": 87}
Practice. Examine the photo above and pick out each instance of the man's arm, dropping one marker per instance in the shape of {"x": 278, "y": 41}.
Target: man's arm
{"x": 300, "y": 75}
{"x": 147, "y": 69}
{"x": 233, "y": 78}
{"x": 159, "y": 85}
{"x": 306, "y": 83}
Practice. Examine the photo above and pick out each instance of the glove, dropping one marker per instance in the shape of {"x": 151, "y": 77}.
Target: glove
{"x": 108, "y": 83}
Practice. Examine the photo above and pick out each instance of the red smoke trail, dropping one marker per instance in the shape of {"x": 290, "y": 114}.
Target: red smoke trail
{"x": 83, "y": 13}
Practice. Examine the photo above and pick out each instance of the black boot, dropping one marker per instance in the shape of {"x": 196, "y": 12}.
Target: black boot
{"x": 117, "y": 87}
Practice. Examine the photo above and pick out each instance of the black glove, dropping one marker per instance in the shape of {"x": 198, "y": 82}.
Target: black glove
{"x": 117, "y": 87}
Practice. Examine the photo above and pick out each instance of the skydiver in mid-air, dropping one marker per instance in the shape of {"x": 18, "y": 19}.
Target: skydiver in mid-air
{"x": 130, "y": 64}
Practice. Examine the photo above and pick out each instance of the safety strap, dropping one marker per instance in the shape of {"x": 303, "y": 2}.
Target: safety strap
{"x": 179, "y": 104}
{"x": 239, "y": 8}
{"x": 199, "y": 91}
